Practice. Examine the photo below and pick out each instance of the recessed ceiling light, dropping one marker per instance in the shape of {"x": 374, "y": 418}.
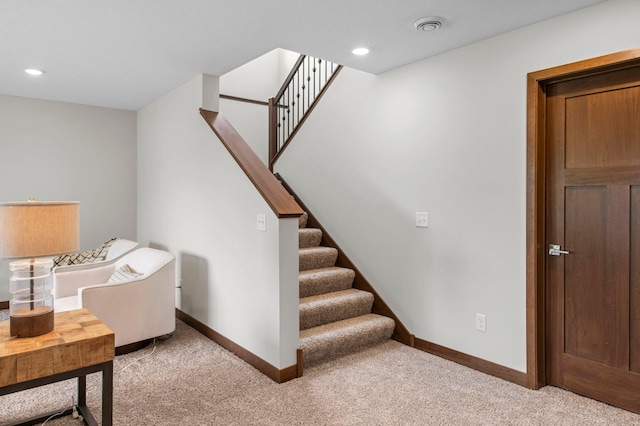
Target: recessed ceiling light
{"x": 428, "y": 24}
{"x": 360, "y": 51}
{"x": 33, "y": 71}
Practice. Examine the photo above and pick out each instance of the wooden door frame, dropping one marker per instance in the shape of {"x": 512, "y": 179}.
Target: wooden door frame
{"x": 537, "y": 83}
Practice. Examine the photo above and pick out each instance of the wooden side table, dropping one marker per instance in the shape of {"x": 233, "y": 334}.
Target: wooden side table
{"x": 79, "y": 344}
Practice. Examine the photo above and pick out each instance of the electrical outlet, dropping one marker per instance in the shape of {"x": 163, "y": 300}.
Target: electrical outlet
{"x": 422, "y": 219}
{"x": 481, "y": 322}
{"x": 262, "y": 222}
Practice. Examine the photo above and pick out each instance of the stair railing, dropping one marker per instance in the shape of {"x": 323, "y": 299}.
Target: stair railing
{"x": 304, "y": 86}
{"x": 265, "y": 182}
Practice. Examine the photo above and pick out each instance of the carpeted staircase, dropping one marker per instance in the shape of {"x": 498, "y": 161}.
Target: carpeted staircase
{"x": 335, "y": 319}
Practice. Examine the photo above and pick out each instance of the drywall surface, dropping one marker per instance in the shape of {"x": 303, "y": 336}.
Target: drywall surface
{"x": 195, "y": 201}
{"x": 54, "y": 151}
{"x": 447, "y": 136}
{"x": 257, "y": 80}
{"x": 251, "y": 122}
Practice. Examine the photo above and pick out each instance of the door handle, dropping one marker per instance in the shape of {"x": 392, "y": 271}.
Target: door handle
{"x": 554, "y": 250}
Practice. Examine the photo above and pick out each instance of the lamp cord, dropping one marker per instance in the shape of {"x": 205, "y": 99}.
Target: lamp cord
{"x": 73, "y": 404}
{"x": 73, "y": 407}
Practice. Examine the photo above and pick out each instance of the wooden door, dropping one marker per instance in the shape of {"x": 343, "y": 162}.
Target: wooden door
{"x": 593, "y": 212}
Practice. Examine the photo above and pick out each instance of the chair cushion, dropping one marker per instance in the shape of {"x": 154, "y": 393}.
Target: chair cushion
{"x": 124, "y": 273}
{"x": 88, "y": 256}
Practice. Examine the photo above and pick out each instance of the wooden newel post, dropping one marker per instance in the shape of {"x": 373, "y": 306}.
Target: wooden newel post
{"x": 273, "y": 129}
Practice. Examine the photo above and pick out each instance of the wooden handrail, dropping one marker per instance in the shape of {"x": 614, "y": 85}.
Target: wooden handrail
{"x": 239, "y": 99}
{"x": 282, "y": 204}
{"x": 289, "y": 77}
{"x": 273, "y": 132}
{"x": 247, "y": 100}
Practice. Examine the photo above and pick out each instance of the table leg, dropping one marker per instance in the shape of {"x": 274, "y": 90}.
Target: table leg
{"x": 81, "y": 375}
{"x": 82, "y": 390}
{"x": 107, "y": 394}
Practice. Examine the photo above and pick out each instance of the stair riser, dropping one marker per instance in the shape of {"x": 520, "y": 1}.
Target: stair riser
{"x": 340, "y": 310}
{"x": 302, "y": 220}
{"x": 309, "y": 238}
{"x": 326, "y": 283}
{"x": 343, "y": 348}
{"x": 344, "y": 344}
{"x": 317, "y": 260}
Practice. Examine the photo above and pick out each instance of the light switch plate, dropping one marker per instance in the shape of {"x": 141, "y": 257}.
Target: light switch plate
{"x": 422, "y": 219}
{"x": 262, "y": 222}
{"x": 481, "y": 322}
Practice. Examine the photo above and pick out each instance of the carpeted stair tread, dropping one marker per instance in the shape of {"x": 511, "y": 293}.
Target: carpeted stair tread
{"x": 335, "y": 319}
{"x": 326, "y": 280}
{"x": 309, "y": 237}
{"x": 302, "y": 220}
{"x": 317, "y": 257}
{"x": 343, "y": 337}
{"x": 332, "y": 307}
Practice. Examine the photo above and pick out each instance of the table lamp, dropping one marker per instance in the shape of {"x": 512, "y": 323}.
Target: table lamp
{"x": 35, "y": 231}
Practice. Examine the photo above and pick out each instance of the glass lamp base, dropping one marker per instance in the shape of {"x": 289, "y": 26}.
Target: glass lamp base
{"x": 31, "y": 304}
{"x": 31, "y": 323}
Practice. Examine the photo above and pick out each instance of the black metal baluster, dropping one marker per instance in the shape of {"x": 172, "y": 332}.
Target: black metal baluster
{"x": 298, "y": 93}
{"x": 294, "y": 102}
{"x": 284, "y": 125}
{"x": 303, "y": 86}
{"x": 289, "y": 112}
{"x": 326, "y": 74}
{"x": 315, "y": 93}
{"x": 284, "y": 119}
{"x": 317, "y": 77}
{"x": 308, "y": 83}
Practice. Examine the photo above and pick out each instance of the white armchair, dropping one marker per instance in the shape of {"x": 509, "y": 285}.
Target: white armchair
{"x": 137, "y": 308}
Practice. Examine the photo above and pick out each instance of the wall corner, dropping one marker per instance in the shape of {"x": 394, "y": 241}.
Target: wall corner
{"x": 211, "y": 92}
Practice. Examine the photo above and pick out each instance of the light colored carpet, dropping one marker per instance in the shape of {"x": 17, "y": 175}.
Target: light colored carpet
{"x": 189, "y": 380}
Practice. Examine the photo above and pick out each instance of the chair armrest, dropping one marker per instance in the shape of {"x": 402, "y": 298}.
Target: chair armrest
{"x": 138, "y": 309}
{"x": 66, "y": 283}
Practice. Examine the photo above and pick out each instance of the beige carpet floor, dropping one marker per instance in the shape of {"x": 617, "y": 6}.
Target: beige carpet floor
{"x": 189, "y": 380}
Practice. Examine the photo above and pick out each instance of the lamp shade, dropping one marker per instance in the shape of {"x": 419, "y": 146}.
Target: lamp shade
{"x": 39, "y": 228}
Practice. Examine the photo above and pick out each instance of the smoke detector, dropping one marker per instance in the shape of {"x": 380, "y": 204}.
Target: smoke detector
{"x": 428, "y": 24}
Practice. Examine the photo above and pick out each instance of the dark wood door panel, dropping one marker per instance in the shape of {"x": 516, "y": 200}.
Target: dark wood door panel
{"x": 614, "y": 386}
{"x": 617, "y": 273}
{"x": 634, "y": 281}
{"x": 603, "y": 129}
{"x": 593, "y": 211}
{"x": 596, "y": 279}
{"x": 589, "y": 303}
{"x": 602, "y": 176}
{"x": 613, "y": 80}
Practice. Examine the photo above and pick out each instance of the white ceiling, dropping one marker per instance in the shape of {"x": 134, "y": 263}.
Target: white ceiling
{"x": 126, "y": 53}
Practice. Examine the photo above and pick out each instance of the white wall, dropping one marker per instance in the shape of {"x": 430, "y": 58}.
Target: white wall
{"x": 195, "y": 201}
{"x": 258, "y": 80}
{"x": 251, "y": 121}
{"x": 446, "y": 135}
{"x": 59, "y": 151}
